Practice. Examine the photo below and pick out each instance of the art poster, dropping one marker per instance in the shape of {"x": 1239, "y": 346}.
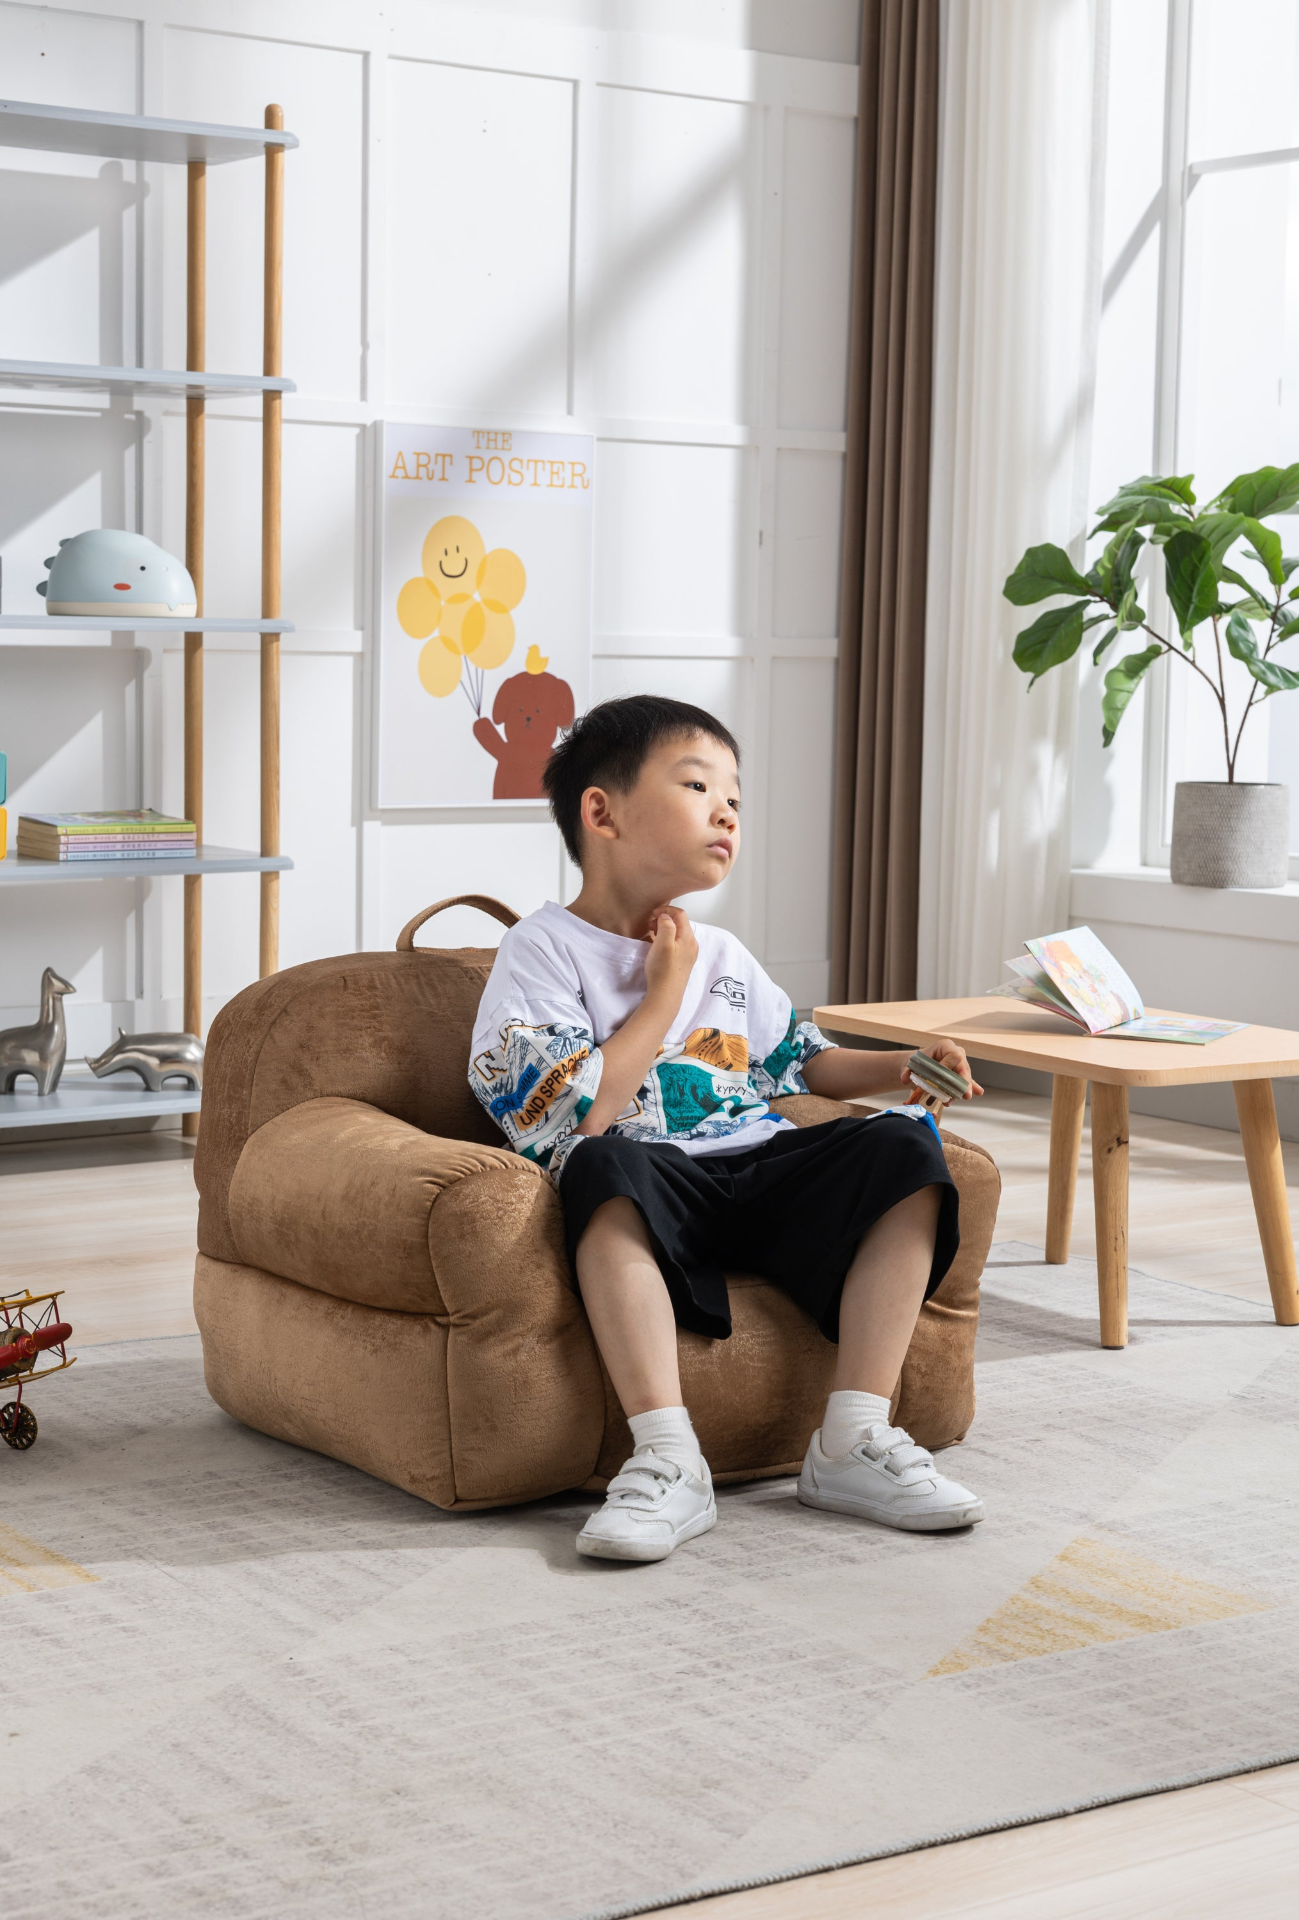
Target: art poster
{"x": 484, "y": 617}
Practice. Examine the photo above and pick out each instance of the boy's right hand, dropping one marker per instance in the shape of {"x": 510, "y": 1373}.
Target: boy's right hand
{"x": 672, "y": 955}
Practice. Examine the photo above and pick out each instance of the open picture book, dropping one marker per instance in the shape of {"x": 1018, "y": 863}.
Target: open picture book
{"x": 1075, "y": 975}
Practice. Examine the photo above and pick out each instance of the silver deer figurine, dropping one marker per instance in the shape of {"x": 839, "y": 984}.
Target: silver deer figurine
{"x": 42, "y": 1049}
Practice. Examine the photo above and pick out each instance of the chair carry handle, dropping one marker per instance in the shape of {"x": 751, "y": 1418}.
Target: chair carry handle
{"x": 483, "y": 901}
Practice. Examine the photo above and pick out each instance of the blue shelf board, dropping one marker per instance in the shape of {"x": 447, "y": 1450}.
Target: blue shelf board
{"x": 51, "y": 374}
{"x": 76, "y": 1100}
{"x": 19, "y": 870}
{"x": 130, "y": 136}
{"x": 157, "y": 623}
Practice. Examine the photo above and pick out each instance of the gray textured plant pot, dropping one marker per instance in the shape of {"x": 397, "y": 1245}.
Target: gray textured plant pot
{"x": 1231, "y": 834}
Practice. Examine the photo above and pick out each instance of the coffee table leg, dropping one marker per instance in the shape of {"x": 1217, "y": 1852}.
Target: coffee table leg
{"x": 1256, "y": 1111}
{"x": 1068, "y": 1099}
{"x": 1110, "y": 1189}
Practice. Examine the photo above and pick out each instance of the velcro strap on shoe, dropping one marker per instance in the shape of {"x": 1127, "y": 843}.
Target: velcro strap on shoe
{"x": 898, "y": 1453}
{"x": 645, "y": 1475}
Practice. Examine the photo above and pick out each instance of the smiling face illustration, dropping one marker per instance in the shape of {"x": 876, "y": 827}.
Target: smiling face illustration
{"x": 453, "y": 553}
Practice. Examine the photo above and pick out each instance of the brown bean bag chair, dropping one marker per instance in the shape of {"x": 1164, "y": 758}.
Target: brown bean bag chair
{"x": 381, "y": 1279}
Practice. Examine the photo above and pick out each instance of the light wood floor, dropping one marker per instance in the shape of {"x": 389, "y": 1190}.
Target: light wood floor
{"x": 113, "y": 1222}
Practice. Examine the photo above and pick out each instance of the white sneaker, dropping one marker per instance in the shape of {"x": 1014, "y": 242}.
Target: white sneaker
{"x": 650, "y": 1507}
{"x": 887, "y": 1477}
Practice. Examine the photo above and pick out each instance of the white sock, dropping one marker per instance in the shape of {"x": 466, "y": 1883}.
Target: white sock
{"x": 847, "y": 1416}
{"x": 667, "y": 1432}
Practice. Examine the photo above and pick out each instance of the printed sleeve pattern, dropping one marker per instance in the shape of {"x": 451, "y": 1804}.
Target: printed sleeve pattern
{"x": 782, "y": 1070}
{"x": 538, "y": 1084}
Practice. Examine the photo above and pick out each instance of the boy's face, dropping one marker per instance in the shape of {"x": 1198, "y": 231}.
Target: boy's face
{"x": 678, "y": 828}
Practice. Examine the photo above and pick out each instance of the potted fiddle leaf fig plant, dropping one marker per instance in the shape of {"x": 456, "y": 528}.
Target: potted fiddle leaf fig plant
{"x": 1228, "y": 585}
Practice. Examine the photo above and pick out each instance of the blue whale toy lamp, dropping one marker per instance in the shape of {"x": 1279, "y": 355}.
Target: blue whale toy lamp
{"x": 106, "y": 572}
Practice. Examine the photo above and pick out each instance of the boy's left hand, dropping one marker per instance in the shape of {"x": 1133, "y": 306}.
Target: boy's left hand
{"x": 948, "y": 1054}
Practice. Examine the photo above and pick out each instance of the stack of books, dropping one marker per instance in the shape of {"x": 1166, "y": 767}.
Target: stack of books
{"x": 104, "y": 836}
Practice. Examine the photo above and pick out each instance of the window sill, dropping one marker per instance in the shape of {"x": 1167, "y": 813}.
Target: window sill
{"x": 1146, "y": 897}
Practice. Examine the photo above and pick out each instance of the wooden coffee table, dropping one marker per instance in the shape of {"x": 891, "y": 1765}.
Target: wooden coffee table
{"x": 1019, "y": 1036}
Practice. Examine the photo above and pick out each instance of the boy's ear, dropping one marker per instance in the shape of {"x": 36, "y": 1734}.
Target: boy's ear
{"x": 595, "y": 815}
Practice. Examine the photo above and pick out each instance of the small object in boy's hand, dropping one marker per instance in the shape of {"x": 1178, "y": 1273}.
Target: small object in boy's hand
{"x": 942, "y": 1084}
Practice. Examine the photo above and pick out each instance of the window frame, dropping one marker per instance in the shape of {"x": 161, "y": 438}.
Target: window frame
{"x": 1181, "y": 175}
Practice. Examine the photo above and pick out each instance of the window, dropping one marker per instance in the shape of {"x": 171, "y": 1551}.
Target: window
{"x": 1198, "y": 359}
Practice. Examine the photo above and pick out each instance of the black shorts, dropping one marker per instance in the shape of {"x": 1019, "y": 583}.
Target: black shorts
{"x": 790, "y": 1210}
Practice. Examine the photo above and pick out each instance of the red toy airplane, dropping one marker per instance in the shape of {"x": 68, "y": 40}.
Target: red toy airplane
{"x": 29, "y": 1327}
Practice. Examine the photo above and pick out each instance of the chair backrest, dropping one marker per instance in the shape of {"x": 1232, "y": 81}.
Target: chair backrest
{"x": 391, "y": 1029}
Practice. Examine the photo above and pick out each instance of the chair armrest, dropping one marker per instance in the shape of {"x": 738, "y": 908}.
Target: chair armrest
{"x": 343, "y": 1198}
{"x": 349, "y": 1201}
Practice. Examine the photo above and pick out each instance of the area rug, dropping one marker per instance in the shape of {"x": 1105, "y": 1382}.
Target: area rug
{"x": 241, "y": 1680}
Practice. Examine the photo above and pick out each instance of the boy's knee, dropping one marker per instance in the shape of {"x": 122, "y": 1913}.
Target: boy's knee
{"x": 618, "y": 1215}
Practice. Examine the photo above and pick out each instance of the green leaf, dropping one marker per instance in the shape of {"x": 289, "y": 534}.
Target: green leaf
{"x": 1240, "y": 644}
{"x": 1042, "y": 572}
{"x": 1106, "y": 640}
{"x": 1290, "y": 628}
{"x": 1171, "y": 487}
{"x": 1248, "y": 610}
{"x": 1252, "y": 607}
{"x": 1112, "y": 574}
{"x": 1130, "y": 614}
{"x": 1146, "y": 510}
{"x": 1266, "y": 542}
{"x": 1192, "y": 579}
{"x": 1120, "y": 685}
{"x": 1269, "y": 490}
{"x": 1221, "y": 530}
{"x": 1288, "y": 565}
{"x": 1055, "y": 636}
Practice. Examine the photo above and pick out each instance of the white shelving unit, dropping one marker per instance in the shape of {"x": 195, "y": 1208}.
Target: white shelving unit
{"x": 80, "y": 1097}
{"x": 160, "y": 623}
{"x": 20, "y": 870}
{"x": 196, "y": 146}
{"x": 57, "y": 376}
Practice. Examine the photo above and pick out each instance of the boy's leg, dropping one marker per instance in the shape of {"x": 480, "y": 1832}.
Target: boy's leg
{"x": 663, "y": 1495}
{"x": 883, "y": 1294}
{"x": 858, "y": 1463}
{"x": 627, "y": 1304}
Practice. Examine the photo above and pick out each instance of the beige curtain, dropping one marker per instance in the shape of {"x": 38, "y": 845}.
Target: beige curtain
{"x": 886, "y": 509}
{"x": 1019, "y": 226}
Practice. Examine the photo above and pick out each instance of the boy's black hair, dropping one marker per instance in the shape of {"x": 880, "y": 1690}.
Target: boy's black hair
{"x": 608, "y": 745}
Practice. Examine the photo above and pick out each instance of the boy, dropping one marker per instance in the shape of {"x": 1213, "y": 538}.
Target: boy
{"x": 634, "y": 1055}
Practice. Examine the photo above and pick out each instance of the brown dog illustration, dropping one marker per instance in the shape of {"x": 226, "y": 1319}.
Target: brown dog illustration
{"x": 531, "y": 707}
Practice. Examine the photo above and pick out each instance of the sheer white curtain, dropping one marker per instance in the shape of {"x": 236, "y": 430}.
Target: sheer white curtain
{"x": 1017, "y": 305}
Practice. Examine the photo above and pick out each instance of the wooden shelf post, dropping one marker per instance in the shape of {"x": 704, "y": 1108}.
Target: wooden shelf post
{"x": 195, "y": 447}
{"x": 272, "y": 405}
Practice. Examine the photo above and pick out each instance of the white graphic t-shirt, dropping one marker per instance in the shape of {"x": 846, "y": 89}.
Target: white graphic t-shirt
{"x": 560, "y": 987}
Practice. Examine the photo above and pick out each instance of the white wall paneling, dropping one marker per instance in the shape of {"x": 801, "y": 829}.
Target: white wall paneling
{"x": 499, "y": 214}
{"x": 816, "y": 270}
{"x": 671, "y": 303}
{"x": 809, "y": 524}
{"x": 479, "y": 224}
{"x": 674, "y": 539}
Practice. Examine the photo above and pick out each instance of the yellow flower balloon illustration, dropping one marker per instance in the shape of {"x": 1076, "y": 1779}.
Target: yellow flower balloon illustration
{"x": 439, "y": 669}
{"x": 461, "y": 605}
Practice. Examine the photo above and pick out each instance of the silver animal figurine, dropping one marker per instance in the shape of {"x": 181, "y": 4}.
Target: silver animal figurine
{"x": 155, "y": 1057}
{"x": 42, "y": 1049}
